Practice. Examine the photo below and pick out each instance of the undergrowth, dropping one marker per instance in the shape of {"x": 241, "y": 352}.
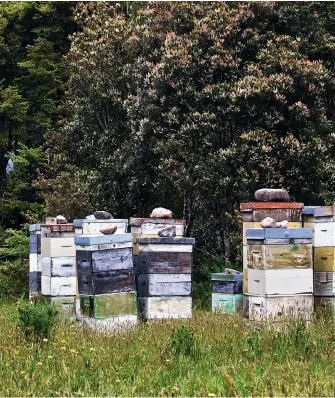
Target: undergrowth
{"x": 211, "y": 354}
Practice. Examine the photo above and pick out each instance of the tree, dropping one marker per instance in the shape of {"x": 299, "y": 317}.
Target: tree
{"x": 34, "y": 39}
{"x": 194, "y": 106}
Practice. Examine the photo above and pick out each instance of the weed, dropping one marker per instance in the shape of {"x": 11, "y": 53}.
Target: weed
{"x": 37, "y": 318}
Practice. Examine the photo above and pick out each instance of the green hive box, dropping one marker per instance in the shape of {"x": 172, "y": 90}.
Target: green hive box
{"x": 109, "y": 305}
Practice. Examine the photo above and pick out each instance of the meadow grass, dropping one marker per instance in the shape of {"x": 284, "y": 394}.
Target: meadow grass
{"x": 211, "y": 354}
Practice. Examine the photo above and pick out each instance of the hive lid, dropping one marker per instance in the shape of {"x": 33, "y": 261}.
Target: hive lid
{"x": 319, "y": 211}
{"x": 137, "y": 222}
{"x": 279, "y": 233}
{"x": 78, "y": 223}
{"x": 34, "y": 227}
{"x": 88, "y": 240}
{"x": 270, "y": 205}
{"x": 167, "y": 241}
{"x": 59, "y": 227}
{"x": 226, "y": 277}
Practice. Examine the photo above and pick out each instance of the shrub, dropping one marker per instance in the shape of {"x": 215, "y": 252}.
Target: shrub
{"x": 37, "y": 318}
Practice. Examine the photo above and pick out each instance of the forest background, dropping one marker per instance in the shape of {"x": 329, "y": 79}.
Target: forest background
{"x": 190, "y": 106}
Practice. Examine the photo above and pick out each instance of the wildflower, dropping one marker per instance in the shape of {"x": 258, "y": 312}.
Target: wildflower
{"x": 211, "y": 394}
{"x": 92, "y": 349}
{"x": 168, "y": 360}
{"x": 123, "y": 338}
{"x": 63, "y": 341}
{"x": 118, "y": 380}
{"x": 63, "y": 348}
{"x": 39, "y": 363}
{"x": 23, "y": 372}
{"x": 45, "y": 340}
{"x": 50, "y": 356}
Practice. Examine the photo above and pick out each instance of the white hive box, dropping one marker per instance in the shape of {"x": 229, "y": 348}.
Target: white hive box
{"x": 59, "y": 266}
{"x": 57, "y": 240}
{"x": 278, "y": 308}
{"x": 59, "y": 285}
{"x": 165, "y": 307}
{"x": 281, "y": 282}
{"x": 324, "y": 234}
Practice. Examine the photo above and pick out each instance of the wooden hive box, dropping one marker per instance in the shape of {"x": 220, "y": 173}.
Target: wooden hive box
{"x": 104, "y": 264}
{"x": 248, "y": 225}
{"x": 164, "y": 282}
{"x": 59, "y": 266}
{"x": 280, "y": 281}
{"x": 57, "y": 240}
{"x": 58, "y": 285}
{"x": 164, "y": 307}
{"x": 232, "y": 303}
{"x": 278, "y": 308}
{"x": 324, "y": 234}
{"x": 324, "y": 259}
{"x": 279, "y": 248}
{"x": 92, "y": 227}
{"x": 318, "y": 214}
{"x": 109, "y": 305}
{"x": 227, "y": 283}
{"x": 324, "y": 283}
{"x": 35, "y": 269}
{"x": 257, "y": 211}
{"x": 149, "y": 227}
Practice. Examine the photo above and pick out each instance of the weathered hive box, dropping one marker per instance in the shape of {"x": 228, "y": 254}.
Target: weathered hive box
{"x": 59, "y": 281}
{"x": 104, "y": 264}
{"x": 249, "y": 225}
{"x": 109, "y": 305}
{"x": 245, "y": 268}
{"x": 324, "y": 259}
{"x": 35, "y": 269}
{"x": 163, "y": 273}
{"x": 324, "y": 283}
{"x": 280, "y": 281}
{"x": 232, "y": 303}
{"x": 165, "y": 307}
{"x": 149, "y": 228}
{"x": 257, "y": 211}
{"x": 318, "y": 214}
{"x": 227, "y": 283}
{"x": 278, "y": 308}
{"x": 92, "y": 227}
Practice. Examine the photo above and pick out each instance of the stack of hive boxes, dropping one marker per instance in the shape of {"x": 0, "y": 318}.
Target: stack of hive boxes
{"x": 227, "y": 292}
{"x": 280, "y": 273}
{"x": 35, "y": 268}
{"x": 149, "y": 227}
{"x": 255, "y": 212}
{"x": 106, "y": 286}
{"x": 164, "y": 277}
{"x": 58, "y": 265}
{"x": 322, "y": 221}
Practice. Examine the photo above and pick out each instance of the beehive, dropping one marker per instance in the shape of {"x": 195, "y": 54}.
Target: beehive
{"x": 163, "y": 274}
{"x": 58, "y": 265}
{"x": 35, "y": 269}
{"x": 106, "y": 285}
{"x": 227, "y": 292}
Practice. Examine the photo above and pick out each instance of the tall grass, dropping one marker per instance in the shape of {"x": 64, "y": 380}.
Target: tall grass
{"x": 210, "y": 354}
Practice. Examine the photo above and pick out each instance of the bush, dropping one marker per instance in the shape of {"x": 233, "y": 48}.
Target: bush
{"x": 37, "y": 318}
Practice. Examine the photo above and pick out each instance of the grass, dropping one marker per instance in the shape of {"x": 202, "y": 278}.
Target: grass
{"x": 208, "y": 355}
